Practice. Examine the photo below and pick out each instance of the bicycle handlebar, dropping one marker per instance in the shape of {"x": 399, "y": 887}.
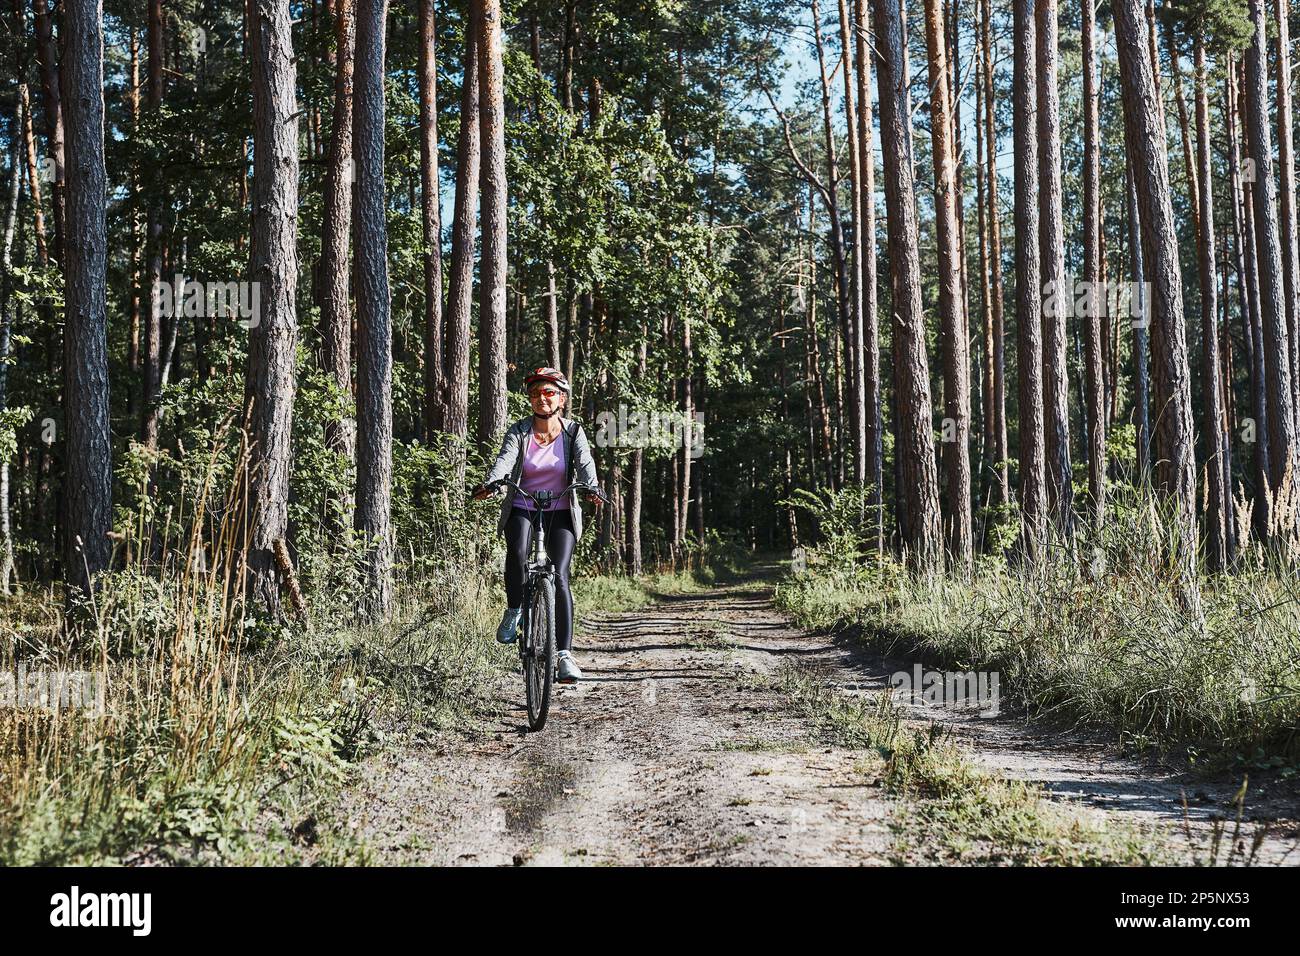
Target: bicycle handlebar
{"x": 542, "y": 502}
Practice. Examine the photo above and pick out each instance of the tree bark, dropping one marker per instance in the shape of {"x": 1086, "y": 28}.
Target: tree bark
{"x": 88, "y": 486}
{"x": 461, "y": 288}
{"x": 1092, "y": 263}
{"x": 919, "y": 488}
{"x": 33, "y": 178}
{"x": 1184, "y": 124}
{"x": 1144, "y": 135}
{"x": 952, "y": 316}
{"x": 1141, "y": 368}
{"x": 1268, "y": 248}
{"x": 1029, "y": 302}
{"x": 1286, "y": 197}
{"x": 7, "y": 566}
{"x": 688, "y": 422}
{"x": 374, "y": 320}
{"x": 1216, "y": 505}
{"x": 1252, "y": 323}
{"x": 635, "y": 485}
{"x": 271, "y": 383}
{"x": 336, "y": 227}
{"x": 431, "y": 220}
{"x": 1058, "y": 297}
{"x": 872, "y": 433}
{"x": 1000, "y": 453}
{"x": 47, "y": 59}
{"x": 151, "y": 360}
{"x": 492, "y": 275}
{"x": 843, "y": 257}
{"x": 858, "y": 414}
{"x": 983, "y": 471}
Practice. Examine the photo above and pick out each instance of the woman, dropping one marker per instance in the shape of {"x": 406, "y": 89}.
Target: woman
{"x": 543, "y": 453}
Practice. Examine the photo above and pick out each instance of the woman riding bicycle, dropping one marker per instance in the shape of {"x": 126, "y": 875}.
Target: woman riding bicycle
{"x": 542, "y": 453}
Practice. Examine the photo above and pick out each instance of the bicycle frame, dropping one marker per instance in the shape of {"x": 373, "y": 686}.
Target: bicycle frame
{"x": 539, "y": 562}
{"x": 538, "y": 662}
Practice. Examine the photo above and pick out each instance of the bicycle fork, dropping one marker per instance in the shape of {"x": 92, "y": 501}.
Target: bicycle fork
{"x": 539, "y": 567}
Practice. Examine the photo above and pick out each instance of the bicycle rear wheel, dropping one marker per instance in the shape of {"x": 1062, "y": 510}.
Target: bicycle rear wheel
{"x": 539, "y": 661}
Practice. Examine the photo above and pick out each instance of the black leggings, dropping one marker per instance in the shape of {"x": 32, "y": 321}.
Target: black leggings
{"x": 558, "y": 525}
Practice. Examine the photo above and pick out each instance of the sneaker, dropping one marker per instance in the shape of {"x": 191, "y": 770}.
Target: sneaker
{"x": 509, "y": 628}
{"x": 568, "y": 668}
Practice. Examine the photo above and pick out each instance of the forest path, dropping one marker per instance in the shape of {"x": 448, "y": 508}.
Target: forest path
{"x": 677, "y": 749}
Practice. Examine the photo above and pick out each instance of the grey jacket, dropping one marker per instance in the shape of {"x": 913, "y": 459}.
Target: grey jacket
{"x": 510, "y": 464}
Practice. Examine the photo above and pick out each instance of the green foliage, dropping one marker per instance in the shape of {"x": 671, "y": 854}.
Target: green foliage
{"x": 840, "y": 520}
{"x": 1107, "y": 633}
{"x": 12, "y": 418}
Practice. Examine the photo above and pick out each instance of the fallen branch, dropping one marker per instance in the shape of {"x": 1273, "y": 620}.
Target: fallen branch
{"x": 290, "y": 579}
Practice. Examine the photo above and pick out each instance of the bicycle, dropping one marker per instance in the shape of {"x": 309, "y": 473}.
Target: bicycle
{"x": 536, "y": 640}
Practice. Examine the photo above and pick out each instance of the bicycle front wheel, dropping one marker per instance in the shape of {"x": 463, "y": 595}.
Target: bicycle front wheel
{"x": 539, "y": 661}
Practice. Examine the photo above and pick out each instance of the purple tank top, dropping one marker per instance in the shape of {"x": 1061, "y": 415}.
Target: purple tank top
{"x": 544, "y": 470}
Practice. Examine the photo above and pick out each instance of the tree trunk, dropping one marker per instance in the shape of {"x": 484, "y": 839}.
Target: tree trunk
{"x": 1141, "y": 373}
{"x": 634, "y": 496}
{"x": 1184, "y": 125}
{"x": 855, "y": 250}
{"x": 952, "y": 317}
{"x": 984, "y": 469}
{"x": 1144, "y": 136}
{"x": 88, "y": 485}
{"x": 1092, "y": 262}
{"x": 1268, "y": 248}
{"x": 919, "y": 490}
{"x": 8, "y": 571}
{"x": 1286, "y": 197}
{"x": 1029, "y": 302}
{"x": 431, "y": 219}
{"x": 374, "y": 321}
{"x": 1000, "y": 453}
{"x": 492, "y": 276}
{"x": 1216, "y": 505}
{"x": 336, "y": 226}
{"x": 1058, "y": 298}
{"x": 33, "y": 178}
{"x": 272, "y": 341}
{"x": 843, "y": 285}
{"x": 461, "y": 288}
{"x": 813, "y": 336}
{"x": 47, "y": 60}
{"x": 688, "y": 422}
{"x": 151, "y": 360}
{"x": 1252, "y": 331}
{"x": 872, "y": 432}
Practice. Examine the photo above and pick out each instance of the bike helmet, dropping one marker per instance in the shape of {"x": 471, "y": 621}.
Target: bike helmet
{"x": 547, "y": 374}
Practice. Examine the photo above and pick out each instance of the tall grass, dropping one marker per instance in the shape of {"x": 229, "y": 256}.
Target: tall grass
{"x": 217, "y": 732}
{"x": 1102, "y": 632}
{"x": 952, "y": 811}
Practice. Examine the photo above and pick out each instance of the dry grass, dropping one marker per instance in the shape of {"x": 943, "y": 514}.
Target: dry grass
{"x": 1102, "y": 634}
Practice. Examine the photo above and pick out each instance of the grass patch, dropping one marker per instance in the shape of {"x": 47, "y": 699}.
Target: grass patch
{"x": 953, "y": 812}
{"x": 225, "y": 739}
{"x": 1109, "y": 644}
{"x": 756, "y": 745}
{"x": 217, "y": 738}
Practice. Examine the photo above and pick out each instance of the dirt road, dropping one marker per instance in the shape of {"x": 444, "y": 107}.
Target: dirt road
{"x": 678, "y": 749}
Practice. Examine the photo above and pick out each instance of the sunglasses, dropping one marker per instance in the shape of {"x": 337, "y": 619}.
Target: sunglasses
{"x": 545, "y": 392}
